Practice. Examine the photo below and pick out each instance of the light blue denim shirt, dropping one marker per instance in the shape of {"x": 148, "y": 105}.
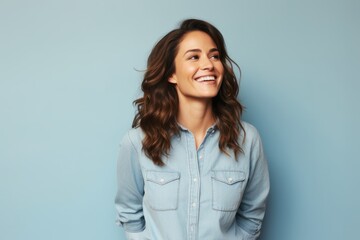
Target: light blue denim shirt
{"x": 199, "y": 193}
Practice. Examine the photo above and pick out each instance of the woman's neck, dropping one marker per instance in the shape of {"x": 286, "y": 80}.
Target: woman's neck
{"x": 197, "y": 116}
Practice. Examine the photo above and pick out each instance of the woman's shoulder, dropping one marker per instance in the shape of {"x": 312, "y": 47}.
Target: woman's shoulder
{"x": 251, "y": 131}
{"x": 133, "y": 136}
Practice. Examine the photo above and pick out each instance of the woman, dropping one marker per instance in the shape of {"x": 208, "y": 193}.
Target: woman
{"x": 190, "y": 168}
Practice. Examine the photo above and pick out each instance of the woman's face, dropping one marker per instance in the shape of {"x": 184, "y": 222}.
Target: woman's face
{"x": 198, "y": 69}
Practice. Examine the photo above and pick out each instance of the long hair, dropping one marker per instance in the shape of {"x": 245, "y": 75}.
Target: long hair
{"x": 158, "y": 108}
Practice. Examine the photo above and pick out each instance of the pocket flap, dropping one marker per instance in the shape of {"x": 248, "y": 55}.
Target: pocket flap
{"x": 161, "y": 177}
{"x": 228, "y": 177}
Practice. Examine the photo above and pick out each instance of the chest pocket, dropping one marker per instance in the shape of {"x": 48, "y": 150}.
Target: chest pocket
{"x": 162, "y": 190}
{"x": 227, "y": 189}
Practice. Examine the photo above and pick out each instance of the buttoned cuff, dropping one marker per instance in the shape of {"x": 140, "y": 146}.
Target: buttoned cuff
{"x": 251, "y": 231}
{"x": 132, "y": 226}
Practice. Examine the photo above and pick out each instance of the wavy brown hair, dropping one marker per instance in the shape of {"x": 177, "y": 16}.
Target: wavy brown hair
{"x": 158, "y": 108}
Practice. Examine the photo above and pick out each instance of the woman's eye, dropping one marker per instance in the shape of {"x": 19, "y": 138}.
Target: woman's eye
{"x": 217, "y": 57}
{"x": 195, "y": 57}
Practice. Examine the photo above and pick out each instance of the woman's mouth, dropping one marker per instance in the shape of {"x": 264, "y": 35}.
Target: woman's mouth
{"x": 205, "y": 79}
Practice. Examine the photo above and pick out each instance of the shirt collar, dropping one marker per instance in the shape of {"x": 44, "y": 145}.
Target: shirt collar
{"x": 211, "y": 129}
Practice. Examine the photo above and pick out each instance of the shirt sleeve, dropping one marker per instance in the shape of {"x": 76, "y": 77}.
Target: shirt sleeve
{"x": 130, "y": 191}
{"x": 252, "y": 208}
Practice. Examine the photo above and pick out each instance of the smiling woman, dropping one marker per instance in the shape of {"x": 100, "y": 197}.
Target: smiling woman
{"x": 190, "y": 168}
{"x": 198, "y": 69}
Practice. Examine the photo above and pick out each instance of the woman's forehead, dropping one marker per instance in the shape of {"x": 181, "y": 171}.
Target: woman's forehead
{"x": 196, "y": 40}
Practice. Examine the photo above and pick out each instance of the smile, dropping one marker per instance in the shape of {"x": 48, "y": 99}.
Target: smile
{"x": 205, "y": 78}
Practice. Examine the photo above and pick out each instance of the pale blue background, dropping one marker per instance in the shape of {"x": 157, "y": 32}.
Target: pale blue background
{"x": 67, "y": 82}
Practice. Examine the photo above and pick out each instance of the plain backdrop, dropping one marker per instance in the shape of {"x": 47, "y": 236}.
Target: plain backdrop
{"x": 69, "y": 71}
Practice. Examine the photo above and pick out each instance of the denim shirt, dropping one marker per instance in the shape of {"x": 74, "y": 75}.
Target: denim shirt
{"x": 198, "y": 194}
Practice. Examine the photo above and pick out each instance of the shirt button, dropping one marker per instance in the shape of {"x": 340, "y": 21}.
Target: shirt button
{"x": 230, "y": 180}
{"x": 193, "y": 204}
{"x": 201, "y": 157}
{"x": 195, "y": 179}
{"x": 162, "y": 180}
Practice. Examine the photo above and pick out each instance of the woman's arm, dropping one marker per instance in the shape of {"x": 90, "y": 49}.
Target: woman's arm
{"x": 130, "y": 191}
{"x": 252, "y": 209}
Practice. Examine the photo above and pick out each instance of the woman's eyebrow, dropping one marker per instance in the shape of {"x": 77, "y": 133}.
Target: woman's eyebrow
{"x": 192, "y": 50}
{"x": 198, "y": 50}
{"x": 213, "y": 50}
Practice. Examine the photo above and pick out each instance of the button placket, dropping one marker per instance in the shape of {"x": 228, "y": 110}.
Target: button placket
{"x": 201, "y": 157}
{"x": 194, "y": 188}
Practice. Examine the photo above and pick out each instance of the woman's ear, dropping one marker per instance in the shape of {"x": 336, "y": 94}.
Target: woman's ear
{"x": 172, "y": 79}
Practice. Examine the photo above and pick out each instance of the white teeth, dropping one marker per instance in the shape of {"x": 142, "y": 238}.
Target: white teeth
{"x": 206, "y": 78}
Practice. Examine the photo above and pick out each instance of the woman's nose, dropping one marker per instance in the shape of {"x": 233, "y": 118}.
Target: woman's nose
{"x": 206, "y": 64}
